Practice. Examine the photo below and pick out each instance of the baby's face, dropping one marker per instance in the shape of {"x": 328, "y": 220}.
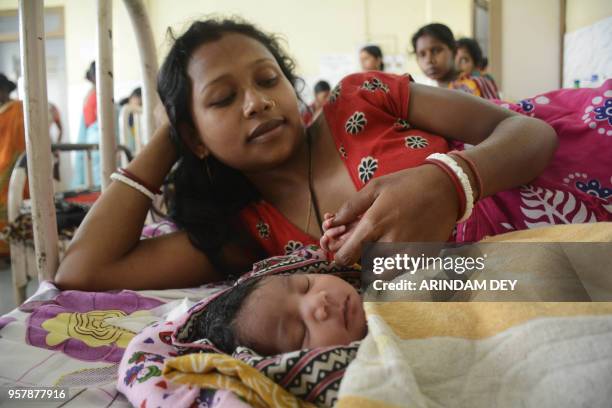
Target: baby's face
{"x": 292, "y": 312}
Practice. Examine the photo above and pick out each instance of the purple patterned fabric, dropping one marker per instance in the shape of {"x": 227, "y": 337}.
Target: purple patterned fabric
{"x": 76, "y": 323}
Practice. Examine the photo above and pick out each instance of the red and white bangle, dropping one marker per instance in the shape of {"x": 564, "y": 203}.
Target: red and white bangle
{"x": 138, "y": 180}
{"x": 460, "y": 180}
{"x": 475, "y": 172}
{"x": 135, "y": 185}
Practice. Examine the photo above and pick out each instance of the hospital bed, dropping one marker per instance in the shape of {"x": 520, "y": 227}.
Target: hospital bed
{"x": 26, "y": 361}
{"x": 76, "y": 339}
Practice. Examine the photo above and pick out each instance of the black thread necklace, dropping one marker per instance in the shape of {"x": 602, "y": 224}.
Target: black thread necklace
{"x": 313, "y": 197}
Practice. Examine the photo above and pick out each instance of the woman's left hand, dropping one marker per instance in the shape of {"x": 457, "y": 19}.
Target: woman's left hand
{"x": 413, "y": 205}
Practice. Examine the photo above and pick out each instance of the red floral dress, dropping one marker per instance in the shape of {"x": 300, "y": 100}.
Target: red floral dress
{"x": 367, "y": 116}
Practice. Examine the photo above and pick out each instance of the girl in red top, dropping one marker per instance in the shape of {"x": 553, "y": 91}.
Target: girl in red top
{"x": 251, "y": 181}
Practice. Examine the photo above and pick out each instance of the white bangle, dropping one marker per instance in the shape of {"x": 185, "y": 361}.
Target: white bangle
{"x": 136, "y": 186}
{"x": 463, "y": 178}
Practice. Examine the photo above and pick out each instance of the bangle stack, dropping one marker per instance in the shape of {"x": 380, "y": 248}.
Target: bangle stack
{"x": 135, "y": 182}
{"x": 474, "y": 170}
{"x": 460, "y": 181}
{"x": 143, "y": 183}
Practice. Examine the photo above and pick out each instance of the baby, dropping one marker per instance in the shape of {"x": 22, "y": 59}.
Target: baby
{"x": 282, "y": 313}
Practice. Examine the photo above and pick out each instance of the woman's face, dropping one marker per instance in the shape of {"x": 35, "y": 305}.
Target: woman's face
{"x": 369, "y": 62}
{"x": 434, "y": 57}
{"x": 321, "y": 97}
{"x": 135, "y": 100}
{"x": 464, "y": 61}
{"x": 291, "y": 312}
{"x": 244, "y": 109}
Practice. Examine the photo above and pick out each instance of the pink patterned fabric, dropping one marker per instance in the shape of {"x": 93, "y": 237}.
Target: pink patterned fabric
{"x": 158, "y": 229}
{"x": 576, "y": 187}
{"x": 140, "y": 374}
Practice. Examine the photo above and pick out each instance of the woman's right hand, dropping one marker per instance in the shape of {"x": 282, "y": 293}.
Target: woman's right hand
{"x": 414, "y": 205}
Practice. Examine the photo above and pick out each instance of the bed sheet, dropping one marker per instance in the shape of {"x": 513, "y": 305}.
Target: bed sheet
{"x": 506, "y": 354}
{"x": 76, "y": 339}
{"x": 491, "y": 354}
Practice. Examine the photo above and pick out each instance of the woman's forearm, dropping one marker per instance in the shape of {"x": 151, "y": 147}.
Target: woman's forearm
{"x": 113, "y": 225}
{"x": 516, "y": 152}
{"x": 509, "y": 149}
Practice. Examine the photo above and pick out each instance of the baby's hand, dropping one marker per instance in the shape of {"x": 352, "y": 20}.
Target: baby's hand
{"x": 330, "y": 234}
{"x": 333, "y": 238}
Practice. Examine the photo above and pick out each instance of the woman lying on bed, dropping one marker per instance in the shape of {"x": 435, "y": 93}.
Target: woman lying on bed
{"x": 252, "y": 182}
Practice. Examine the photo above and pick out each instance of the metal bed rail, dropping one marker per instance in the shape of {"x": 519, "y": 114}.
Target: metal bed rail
{"x": 21, "y": 264}
{"x": 38, "y": 144}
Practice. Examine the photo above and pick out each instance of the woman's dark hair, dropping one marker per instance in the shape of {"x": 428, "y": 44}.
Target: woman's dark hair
{"x": 438, "y": 31}
{"x": 90, "y": 74}
{"x": 207, "y": 193}
{"x": 136, "y": 92}
{"x": 472, "y": 47}
{"x": 322, "y": 86}
{"x": 217, "y": 322}
{"x": 484, "y": 63}
{"x": 376, "y": 52}
{"x": 6, "y": 84}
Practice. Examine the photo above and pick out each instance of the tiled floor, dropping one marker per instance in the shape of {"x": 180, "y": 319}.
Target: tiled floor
{"x": 7, "y": 298}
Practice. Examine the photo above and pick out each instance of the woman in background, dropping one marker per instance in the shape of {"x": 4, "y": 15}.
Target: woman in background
{"x": 88, "y": 132}
{"x": 55, "y": 121}
{"x": 371, "y": 58}
{"x": 322, "y": 90}
{"x": 134, "y": 101}
{"x": 435, "y": 49}
{"x": 12, "y": 145}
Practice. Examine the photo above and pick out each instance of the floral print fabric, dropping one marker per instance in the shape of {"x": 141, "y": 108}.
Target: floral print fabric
{"x": 80, "y": 323}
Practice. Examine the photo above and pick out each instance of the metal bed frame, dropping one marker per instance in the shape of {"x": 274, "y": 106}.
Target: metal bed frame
{"x": 38, "y": 144}
{"x": 22, "y": 256}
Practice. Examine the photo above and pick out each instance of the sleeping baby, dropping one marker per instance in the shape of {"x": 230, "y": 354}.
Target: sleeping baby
{"x": 285, "y": 311}
{"x": 282, "y": 313}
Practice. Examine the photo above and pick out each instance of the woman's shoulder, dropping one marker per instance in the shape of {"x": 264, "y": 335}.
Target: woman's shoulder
{"x": 370, "y": 80}
{"x": 361, "y": 97}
